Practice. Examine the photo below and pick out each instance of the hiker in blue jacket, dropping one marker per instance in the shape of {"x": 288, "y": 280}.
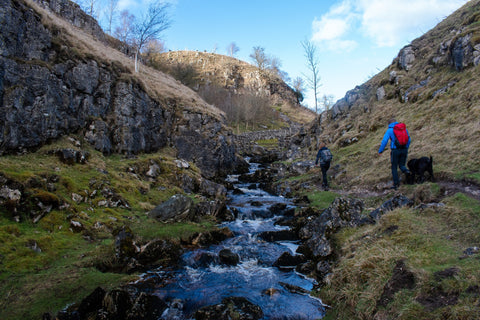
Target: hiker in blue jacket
{"x": 325, "y": 157}
{"x": 398, "y": 153}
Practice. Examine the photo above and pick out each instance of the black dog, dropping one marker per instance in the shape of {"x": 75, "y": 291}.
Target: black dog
{"x": 418, "y": 167}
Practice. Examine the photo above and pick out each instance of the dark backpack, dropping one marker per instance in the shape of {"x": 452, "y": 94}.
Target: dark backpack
{"x": 401, "y": 136}
{"x": 325, "y": 156}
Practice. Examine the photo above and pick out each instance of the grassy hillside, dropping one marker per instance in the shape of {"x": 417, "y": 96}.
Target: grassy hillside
{"x": 418, "y": 262}
{"x": 441, "y": 116}
{"x": 47, "y": 265}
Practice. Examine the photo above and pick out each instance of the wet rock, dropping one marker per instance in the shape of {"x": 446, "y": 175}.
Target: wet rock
{"x": 91, "y": 303}
{"x": 306, "y": 268}
{"x": 227, "y": 257}
{"x": 256, "y": 203}
{"x": 323, "y": 268}
{"x": 392, "y": 204}
{"x": 174, "y": 311}
{"x": 281, "y": 209}
{"x": 177, "y": 208}
{"x": 261, "y": 213}
{"x": 289, "y": 260}
{"x": 230, "y": 308}
{"x": 116, "y": 304}
{"x": 147, "y": 307}
{"x": 270, "y": 292}
{"x": 215, "y": 208}
{"x": 203, "y": 260}
{"x": 211, "y": 237}
{"x": 280, "y": 235}
{"x": 294, "y": 289}
{"x": 159, "y": 252}
{"x": 317, "y": 231}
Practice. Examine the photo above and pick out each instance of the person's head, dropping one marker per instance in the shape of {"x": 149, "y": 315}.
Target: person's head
{"x": 392, "y": 120}
{"x": 321, "y": 145}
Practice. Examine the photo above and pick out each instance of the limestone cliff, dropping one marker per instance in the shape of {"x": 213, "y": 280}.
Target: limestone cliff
{"x": 58, "y": 78}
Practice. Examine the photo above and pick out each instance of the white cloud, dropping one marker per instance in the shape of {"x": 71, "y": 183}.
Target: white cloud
{"x": 387, "y": 23}
{"x": 333, "y": 29}
{"x": 328, "y": 29}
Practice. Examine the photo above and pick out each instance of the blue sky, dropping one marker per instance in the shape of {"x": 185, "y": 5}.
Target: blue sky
{"x": 355, "y": 39}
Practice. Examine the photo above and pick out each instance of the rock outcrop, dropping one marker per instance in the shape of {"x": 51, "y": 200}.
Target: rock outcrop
{"x": 233, "y": 74}
{"x": 49, "y": 88}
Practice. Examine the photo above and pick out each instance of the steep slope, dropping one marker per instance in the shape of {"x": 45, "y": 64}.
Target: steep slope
{"x": 205, "y": 72}
{"x": 57, "y": 79}
{"x": 432, "y": 86}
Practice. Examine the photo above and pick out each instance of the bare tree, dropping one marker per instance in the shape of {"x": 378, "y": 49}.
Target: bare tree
{"x": 232, "y": 49}
{"x": 152, "y": 49}
{"x": 90, "y": 7}
{"x": 260, "y": 58}
{"x": 111, "y": 12}
{"x": 312, "y": 64}
{"x": 150, "y": 26}
{"x": 298, "y": 86}
{"x": 124, "y": 32}
{"x": 327, "y": 101}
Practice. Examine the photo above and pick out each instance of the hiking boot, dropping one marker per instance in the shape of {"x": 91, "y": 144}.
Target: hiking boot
{"x": 394, "y": 187}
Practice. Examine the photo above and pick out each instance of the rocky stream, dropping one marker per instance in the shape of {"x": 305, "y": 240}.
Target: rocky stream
{"x": 241, "y": 274}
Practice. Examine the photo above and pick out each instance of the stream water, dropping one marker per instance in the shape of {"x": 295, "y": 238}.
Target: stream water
{"x": 201, "y": 282}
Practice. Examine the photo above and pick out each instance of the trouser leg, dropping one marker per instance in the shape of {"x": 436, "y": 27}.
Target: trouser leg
{"x": 402, "y": 159}
{"x": 394, "y": 160}
{"x": 324, "y": 168}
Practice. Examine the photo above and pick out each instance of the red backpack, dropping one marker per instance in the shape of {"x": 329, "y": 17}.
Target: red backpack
{"x": 401, "y": 136}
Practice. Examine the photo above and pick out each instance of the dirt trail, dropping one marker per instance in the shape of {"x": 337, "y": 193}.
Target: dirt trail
{"x": 452, "y": 187}
{"x": 449, "y": 188}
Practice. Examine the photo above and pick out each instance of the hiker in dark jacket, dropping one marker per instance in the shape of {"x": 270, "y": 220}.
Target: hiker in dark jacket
{"x": 398, "y": 155}
{"x": 325, "y": 157}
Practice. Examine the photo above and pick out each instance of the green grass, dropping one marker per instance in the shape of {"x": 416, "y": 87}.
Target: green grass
{"x": 321, "y": 199}
{"x": 34, "y": 282}
{"x": 428, "y": 240}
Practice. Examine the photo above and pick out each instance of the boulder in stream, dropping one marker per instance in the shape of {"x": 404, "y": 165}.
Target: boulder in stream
{"x": 230, "y": 308}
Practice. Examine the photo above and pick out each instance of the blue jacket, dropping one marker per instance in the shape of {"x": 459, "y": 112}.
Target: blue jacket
{"x": 390, "y": 135}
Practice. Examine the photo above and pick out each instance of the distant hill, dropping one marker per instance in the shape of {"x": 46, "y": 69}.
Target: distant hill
{"x": 432, "y": 86}
{"x": 216, "y": 77}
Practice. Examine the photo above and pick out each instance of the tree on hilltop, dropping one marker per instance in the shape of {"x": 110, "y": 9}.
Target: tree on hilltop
{"x": 232, "y": 49}
{"x": 260, "y": 58}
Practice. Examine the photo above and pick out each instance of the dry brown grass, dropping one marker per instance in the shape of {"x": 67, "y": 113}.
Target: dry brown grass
{"x": 228, "y": 72}
{"x": 446, "y": 127}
